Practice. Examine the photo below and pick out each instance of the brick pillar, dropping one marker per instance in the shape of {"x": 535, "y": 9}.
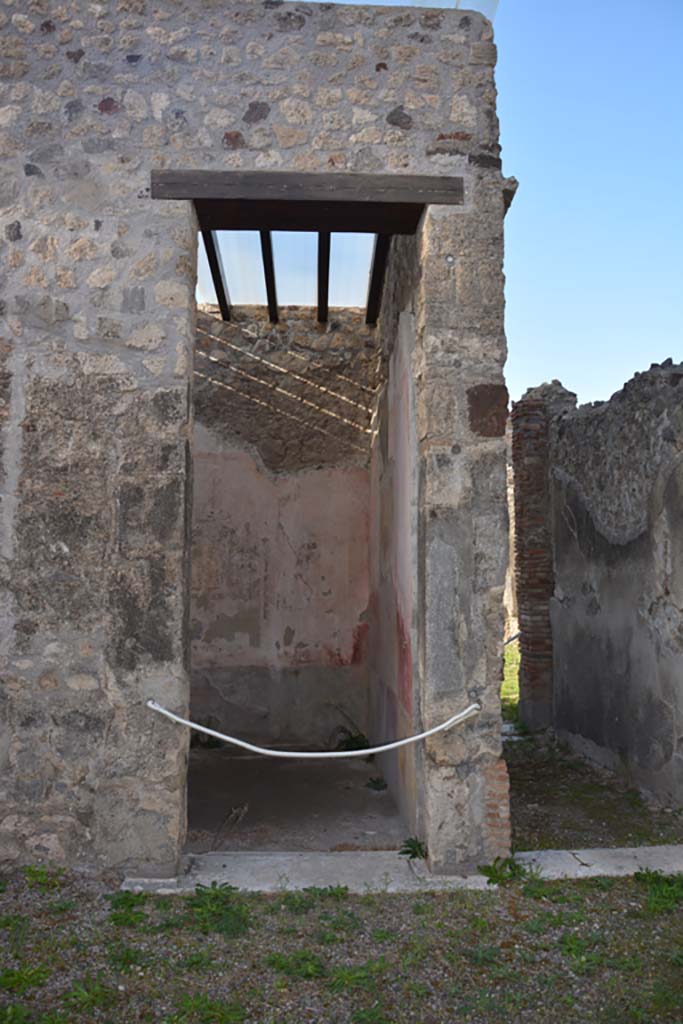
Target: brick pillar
{"x": 534, "y": 561}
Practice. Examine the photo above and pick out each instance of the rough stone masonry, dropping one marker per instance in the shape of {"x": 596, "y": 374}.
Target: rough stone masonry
{"x": 98, "y": 328}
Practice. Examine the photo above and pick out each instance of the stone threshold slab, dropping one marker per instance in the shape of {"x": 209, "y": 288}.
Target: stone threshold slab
{"x": 385, "y": 871}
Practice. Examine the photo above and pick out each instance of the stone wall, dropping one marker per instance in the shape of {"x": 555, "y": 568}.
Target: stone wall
{"x": 280, "y": 579}
{"x": 97, "y": 327}
{"x": 445, "y": 289}
{"x": 615, "y": 476}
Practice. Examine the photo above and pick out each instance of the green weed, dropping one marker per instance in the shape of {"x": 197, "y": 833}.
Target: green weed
{"x": 376, "y": 783}
{"x": 300, "y": 964}
{"x": 126, "y": 909}
{"x": 20, "y": 979}
{"x": 15, "y": 1014}
{"x": 581, "y": 951}
{"x": 90, "y": 994}
{"x": 364, "y": 976}
{"x": 199, "y": 961}
{"x": 203, "y": 1010}
{"x": 664, "y": 893}
{"x": 383, "y": 934}
{"x": 503, "y": 870}
{"x": 42, "y": 878}
{"x": 371, "y": 1015}
{"x": 218, "y": 908}
{"x": 413, "y": 848}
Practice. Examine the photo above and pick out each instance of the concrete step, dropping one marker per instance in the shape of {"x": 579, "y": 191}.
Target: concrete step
{"x": 385, "y": 871}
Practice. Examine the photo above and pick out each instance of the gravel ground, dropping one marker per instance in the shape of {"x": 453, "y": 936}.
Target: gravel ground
{"x": 73, "y": 951}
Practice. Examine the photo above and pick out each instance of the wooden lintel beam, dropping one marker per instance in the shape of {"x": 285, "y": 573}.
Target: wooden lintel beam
{"x": 323, "y": 276}
{"x": 269, "y": 273}
{"x": 213, "y": 255}
{"x": 274, "y": 215}
{"x": 420, "y": 189}
{"x": 378, "y": 271}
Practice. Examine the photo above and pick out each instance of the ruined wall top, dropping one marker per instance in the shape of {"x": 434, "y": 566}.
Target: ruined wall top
{"x": 617, "y": 453}
{"x": 128, "y": 84}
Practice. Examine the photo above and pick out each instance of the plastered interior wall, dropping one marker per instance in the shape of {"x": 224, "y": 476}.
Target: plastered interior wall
{"x": 393, "y": 547}
{"x": 280, "y": 547}
{"x": 97, "y": 329}
{"x": 615, "y": 482}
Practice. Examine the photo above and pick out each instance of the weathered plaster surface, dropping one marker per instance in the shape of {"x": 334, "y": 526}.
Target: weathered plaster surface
{"x": 280, "y": 580}
{"x": 617, "y": 612}
{"x": 603, "y": 514}
{"x": 393, "y": 547}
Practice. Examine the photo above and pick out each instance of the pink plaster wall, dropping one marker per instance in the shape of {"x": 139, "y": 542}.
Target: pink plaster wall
{"x": 280, "y": 572}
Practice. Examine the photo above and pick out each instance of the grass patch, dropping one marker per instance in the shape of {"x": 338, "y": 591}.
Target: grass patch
{"x": 509, "y": 693}
{"x": 664, "y": 892}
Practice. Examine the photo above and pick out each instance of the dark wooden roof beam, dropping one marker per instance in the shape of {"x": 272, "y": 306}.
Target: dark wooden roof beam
{"x": 213, "y": 255}
{"x": 269, "y": 273}
{"x": 378, "y": 272}
{"x": 323, "y": 276}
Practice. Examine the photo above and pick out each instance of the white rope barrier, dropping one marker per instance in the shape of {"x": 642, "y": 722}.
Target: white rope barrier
{"x": 473, "y": 709}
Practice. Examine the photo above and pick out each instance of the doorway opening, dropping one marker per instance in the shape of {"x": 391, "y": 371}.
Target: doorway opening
{"x": 282, "y": 445}
{"x": 304, "y": 611}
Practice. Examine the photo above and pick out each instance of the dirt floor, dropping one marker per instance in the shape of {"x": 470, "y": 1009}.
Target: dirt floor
{"x": 558, "y": 802}
{"x": 561, "y": 802}
{"x": 598, "y": 950}
{"x": 245, "y": 802}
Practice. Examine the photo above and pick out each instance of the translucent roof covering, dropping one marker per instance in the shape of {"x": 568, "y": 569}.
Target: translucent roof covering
{"x": 295, "y": 254}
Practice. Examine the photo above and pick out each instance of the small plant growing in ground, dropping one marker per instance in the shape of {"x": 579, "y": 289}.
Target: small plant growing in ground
{"x": 504, "y": 870}
{"x": 413, "y": 848}
{"x": 664, "y": 892}
{"x": 90, "y": 994}
{"x": 199, "y": 961}
{"x": 42, "y": 878}
{"x": 126, "y": 909}
{"x": 329, "y": 892}
{"x": 218, "y": 908}
{"x": 20, "y": 979}
{"x": 202, "y": 1009}
{"x": 372, "y": 1015}
{"x": 15, "y": 1014}
{"x": 364, "y": 976}
{"x": 377, "y": 783}
{"x": 301, "y": 964}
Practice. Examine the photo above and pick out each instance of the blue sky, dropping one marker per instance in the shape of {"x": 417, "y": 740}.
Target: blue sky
{"x": 591, "y": 110}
